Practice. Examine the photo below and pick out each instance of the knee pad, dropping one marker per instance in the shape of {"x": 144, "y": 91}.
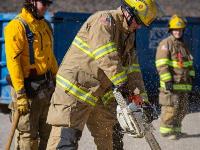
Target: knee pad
{"x": 69, "y": 139}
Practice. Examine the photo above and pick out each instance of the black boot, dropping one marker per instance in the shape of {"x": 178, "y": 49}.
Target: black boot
{"x": 69, "y": 139}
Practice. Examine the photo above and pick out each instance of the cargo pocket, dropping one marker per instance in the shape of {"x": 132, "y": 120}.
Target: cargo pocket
{"x": 59, "y": 115}
{"x": 165, "y": 98}
{"x": 24, "y": 123}
{"x": 60, "y": 110}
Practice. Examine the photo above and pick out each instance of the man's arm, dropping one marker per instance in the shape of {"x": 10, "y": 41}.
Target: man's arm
{"x": 104, "y": 49}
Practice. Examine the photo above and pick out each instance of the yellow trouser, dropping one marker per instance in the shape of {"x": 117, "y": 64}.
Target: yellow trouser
{"x": 67, "y": 112}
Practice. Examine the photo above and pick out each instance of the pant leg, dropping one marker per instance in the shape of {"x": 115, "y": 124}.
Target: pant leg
{"x": 26, "y": 137}
{"x": 64, "y": 138}
{"x": 170, "y": 115}
{"x": 68, "y": 117}
{"x": 100, "y": 123}
{"x": 182, "y": 109}
{"x": 117, "y": 137}
{"x": 44, "y": 129}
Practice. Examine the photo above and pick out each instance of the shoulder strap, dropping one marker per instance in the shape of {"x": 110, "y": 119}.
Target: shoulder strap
{"x": 49, "y": 24}
{"x": 30, "y": 37}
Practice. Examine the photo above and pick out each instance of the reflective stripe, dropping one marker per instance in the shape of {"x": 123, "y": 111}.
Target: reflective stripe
{"x": 119, "y": 78}
{"x": 166, "y": 130}
{"x": 79, "y": 43}
{"x": 74, "y": 90}
{"x": 98, "y": 53}
{"x": 178, "y": 87}
{"x": 182, "y": 87}
{"x": 108, "y": 96}
{"x": 144, "y": 97}
{"x": 165, "y": 77}
{"x": 192, "y": 73}
{"x": 105, "y": 49}
{"x": 169, "y": 130}
{"x": 161, "y": 62}
{"x": 173, "y": 63}
{"x": 134, "y": 68}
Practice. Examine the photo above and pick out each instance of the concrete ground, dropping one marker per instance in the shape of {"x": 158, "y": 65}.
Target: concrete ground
{"x": 191, "y": 125}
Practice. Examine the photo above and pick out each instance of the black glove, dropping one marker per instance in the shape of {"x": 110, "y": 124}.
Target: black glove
{"x": 149, "y": 112}
{"x": 169, "y": 86}
{"x": 123, "y": 88}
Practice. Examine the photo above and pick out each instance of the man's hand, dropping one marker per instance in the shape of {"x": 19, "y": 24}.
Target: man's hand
{"x": 123, "y": 88}
{"x": 23, "y": 105}
{"x": 169, "y": 86}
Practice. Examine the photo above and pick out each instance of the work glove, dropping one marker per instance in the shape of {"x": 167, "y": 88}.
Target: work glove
{"x": 23, "y": 105}
{"x": 123, "y": 88}
{"x": 169, "y": 86}
{"x": 149, "y": 112}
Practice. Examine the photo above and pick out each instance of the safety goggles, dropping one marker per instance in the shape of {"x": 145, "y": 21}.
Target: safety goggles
{"x": 138, "y": 21}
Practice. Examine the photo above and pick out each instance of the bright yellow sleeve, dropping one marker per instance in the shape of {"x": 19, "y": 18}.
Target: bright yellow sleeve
{"x": 14, "y": 45}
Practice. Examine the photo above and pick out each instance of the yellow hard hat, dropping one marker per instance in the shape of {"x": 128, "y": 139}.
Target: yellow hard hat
{"x": 144, "y": 10}
{"x": 176, "y": 22}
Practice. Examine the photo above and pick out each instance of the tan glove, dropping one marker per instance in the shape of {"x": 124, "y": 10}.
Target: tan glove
{"x": 23, "y": 105}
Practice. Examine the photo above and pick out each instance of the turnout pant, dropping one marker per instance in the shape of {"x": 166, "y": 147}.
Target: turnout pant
{"x": 68, "y": 116}
{"x": 173, "y": 112}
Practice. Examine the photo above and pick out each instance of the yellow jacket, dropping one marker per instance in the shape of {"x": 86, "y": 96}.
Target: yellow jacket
{"x": 17, "y": 49}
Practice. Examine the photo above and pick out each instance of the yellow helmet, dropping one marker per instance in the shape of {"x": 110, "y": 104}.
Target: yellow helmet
{"x": 144, "y": 10}
{"x": 176, "y": 22}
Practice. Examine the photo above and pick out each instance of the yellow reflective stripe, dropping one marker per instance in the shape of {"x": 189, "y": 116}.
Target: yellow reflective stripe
{"x": 172, "y": 63}
{"x": 79, "y": 43}
{"x": 107, "y": 97}
{"x": 134, "y": 68}
{"x": 105, "y": 49}
{"x": 166, "y": 130}
{"x": 187, "y": 63}
{"x": 169, "y": 130}
{"x": 192, "y": 73}
{"x": 182, "y": 87}
{"x": 165, "y": 77}
{"x": 74, "y": 90}
{"x": 144, "y": 97}
{"x": 178, "y": 87}
{"x": 119, "y": 78}
{"x": 161, "y": 62}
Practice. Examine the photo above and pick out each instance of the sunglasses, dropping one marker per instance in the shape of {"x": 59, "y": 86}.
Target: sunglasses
{"x": 45, "y": 2}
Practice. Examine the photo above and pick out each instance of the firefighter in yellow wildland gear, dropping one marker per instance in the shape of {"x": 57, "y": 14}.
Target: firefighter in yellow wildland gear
{"x": 175, "y": 67}
{"x": 32, "y": 67}
{"x": 101, "y": 56}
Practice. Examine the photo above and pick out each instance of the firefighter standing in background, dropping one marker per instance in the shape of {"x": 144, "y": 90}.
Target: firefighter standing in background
{"x": 101, "y": 56}
{"x": 175, "y": 67}
{"x": 32, "y": 67}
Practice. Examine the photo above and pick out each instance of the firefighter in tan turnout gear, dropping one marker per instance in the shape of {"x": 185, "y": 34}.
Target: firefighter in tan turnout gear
{"x": 101, "y": 56}
{"x": 32, "y": 67}
{"x": 175, "y": 67}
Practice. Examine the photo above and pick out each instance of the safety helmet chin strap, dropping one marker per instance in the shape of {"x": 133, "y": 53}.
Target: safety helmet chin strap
{"x": 32, "y": 8}
{"x": 128, "y": 20}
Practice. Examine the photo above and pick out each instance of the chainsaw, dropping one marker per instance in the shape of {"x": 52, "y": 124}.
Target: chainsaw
{"x": 131, "y": 118}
